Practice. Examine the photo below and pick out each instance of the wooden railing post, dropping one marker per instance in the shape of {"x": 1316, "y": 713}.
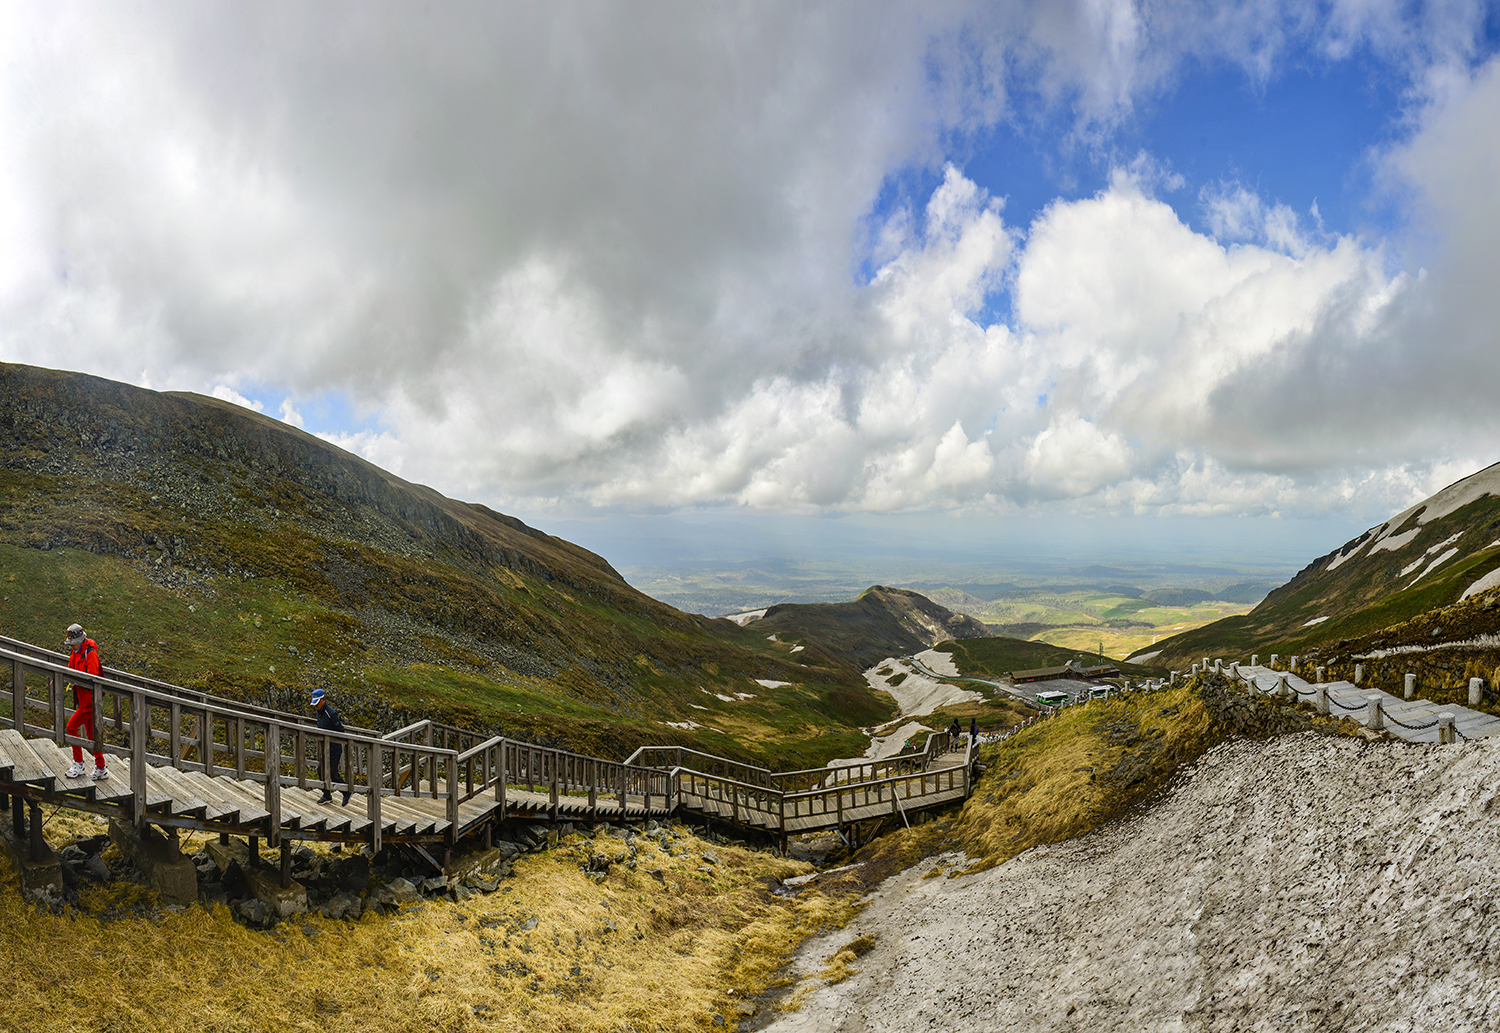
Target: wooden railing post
{"x": 56, "y": 689}
{"x": 176, "y": 732}
{"x": 452, "y": 798}
{"x": 18, "y": 695}
{"x": 138, "y": 737}
{"x": 273, "y": 782}
{"x": 623, "y": 780}
{"x": 503, "y": 778}
{"x": 206, "y": 741}
{"x": 377, "y": 765}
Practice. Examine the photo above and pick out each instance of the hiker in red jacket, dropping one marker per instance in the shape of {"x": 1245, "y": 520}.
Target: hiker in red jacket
{"x": 85, "y": 658}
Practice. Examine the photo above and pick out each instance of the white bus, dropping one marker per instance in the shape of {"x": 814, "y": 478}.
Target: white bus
{"x": 1052, "y": 698}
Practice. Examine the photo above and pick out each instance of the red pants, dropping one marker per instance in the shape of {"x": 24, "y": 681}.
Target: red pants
{"x": 83, "y": 718}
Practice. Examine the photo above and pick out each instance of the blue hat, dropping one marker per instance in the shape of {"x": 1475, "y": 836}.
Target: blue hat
{"x": 317, "y": 696}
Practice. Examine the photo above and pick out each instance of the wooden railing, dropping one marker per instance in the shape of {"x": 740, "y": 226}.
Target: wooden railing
{"x": 152, "y": 723}
{"x": 33, "y": 652}
{"x": 148, "y": 726}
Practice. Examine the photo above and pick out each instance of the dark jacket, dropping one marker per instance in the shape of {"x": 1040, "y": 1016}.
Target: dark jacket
{"x": 328, "y": 718}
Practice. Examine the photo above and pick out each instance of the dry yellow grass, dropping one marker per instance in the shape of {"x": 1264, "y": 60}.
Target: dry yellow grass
{"x": 680, "y": 951}
{"x": 1059, "y": 779}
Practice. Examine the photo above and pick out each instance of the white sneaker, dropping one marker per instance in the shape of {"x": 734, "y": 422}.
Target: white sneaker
{"x": 77, "y": 770}
{"x": 99, "y": 774}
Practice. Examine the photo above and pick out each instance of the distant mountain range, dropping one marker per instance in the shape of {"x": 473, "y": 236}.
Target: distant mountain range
{"x": 1440, "y": 554}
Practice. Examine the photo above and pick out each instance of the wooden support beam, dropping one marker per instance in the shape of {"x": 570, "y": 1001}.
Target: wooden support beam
{"x": 38, "y": 844}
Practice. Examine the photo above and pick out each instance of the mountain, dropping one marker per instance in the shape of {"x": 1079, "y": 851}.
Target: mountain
{"x": 212, "y": 546}
{"x": 882, "y": 622}
{"x": 1433, "y": 556}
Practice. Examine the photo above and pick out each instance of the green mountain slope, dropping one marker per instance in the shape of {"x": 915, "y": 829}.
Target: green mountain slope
{"x": 212, "y": 546}
{"x": 882, "y": 622}
{"x": 1424, "y": 558}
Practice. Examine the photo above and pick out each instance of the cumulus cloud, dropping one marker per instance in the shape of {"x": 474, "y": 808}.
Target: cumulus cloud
{"x": 573, "y": 255}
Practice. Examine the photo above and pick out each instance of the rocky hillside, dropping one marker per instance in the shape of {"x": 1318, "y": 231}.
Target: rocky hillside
{"x": 1436, "y": 554}
{"x": 208, "y": 544}
{"x": 1273, "y": 888}
{"x": 882, "y": 622}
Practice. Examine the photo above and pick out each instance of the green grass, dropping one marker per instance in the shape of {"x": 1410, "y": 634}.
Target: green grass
{"x": 999, "y": 656}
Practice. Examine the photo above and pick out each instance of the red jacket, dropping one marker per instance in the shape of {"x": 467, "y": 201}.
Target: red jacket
{"x": 85, "y": 658}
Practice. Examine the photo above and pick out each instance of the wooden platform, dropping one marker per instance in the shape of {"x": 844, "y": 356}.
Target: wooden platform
{"x": 183, "y": 759}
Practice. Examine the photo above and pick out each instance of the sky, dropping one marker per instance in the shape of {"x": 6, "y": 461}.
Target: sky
{"x": 932, "y": 265}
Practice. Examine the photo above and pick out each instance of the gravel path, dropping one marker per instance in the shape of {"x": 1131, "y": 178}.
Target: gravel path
{"x": 1297, "y": 883}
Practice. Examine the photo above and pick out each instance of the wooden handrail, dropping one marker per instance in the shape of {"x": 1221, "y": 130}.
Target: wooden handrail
{"x": 427, "y": 758}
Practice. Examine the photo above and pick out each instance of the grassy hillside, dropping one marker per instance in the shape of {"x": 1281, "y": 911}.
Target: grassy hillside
{"x": 212, "y": 546}
{"x": 1419, "y": 561}
{"x": 998, "y": 656}
{"x": 882, "y": 622}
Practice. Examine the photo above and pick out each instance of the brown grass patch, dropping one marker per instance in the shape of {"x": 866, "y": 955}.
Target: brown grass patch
{"x": 631, "y": 953}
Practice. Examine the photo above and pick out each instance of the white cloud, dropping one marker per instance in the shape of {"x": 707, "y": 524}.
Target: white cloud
{"x": 610, "y": 255}
{"x": 229, "y": 394}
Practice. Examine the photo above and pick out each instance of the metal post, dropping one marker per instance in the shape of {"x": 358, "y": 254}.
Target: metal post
{"x": 1411, "y": 686}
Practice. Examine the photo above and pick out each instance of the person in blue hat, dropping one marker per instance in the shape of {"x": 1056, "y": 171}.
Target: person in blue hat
{"x": 328, "y": 719}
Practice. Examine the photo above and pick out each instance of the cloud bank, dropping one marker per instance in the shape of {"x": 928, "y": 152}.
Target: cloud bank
{"x": 568, "y": 257}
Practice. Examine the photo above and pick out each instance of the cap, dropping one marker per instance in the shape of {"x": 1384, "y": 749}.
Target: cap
{"x": 75, "y": 635}
{"x": 317, "y": 696}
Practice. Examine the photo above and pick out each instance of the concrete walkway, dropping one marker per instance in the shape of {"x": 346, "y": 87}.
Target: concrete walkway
{"x": 1345, "y": 699}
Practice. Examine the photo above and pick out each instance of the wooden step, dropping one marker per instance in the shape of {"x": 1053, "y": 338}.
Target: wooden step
{"x": 26, "y": 769}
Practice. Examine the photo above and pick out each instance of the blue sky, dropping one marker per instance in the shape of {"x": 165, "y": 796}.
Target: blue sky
{"x": 940, "y": 262}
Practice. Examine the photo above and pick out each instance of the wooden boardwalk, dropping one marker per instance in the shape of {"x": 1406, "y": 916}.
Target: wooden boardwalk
{"x": 179, "y": 758}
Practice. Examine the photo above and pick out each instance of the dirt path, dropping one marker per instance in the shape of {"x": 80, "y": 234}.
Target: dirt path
{"x": 1296, "y": 883}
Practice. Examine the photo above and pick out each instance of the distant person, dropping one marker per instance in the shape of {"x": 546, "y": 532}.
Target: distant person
{"x": 954, "y": 731}
{"x": 328, "y": 720}
{"x": 973, "y": 730}
{"x": 84, "y": 657}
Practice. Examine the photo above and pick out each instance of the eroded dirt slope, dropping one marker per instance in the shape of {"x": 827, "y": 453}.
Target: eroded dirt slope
{"x": 1304, "y": 882}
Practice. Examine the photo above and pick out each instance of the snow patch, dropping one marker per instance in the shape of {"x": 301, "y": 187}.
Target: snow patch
{"x": 938, "y": 662}
{"x": 767, "y": 683}
{"x": 1477, "y": 642}
{"x": 745, "y": 618}
{"x": 798, "y": 649}
{"x": 1143, "y": 658}
{"x": 1345, "y": 557}
{"x": 1444, "y": 558}
{"x": 1315, "y": 620}
{"x": 918, "y": 694}
{"x": 1484, "y": 584}
{"x": 1395, "y": 541}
